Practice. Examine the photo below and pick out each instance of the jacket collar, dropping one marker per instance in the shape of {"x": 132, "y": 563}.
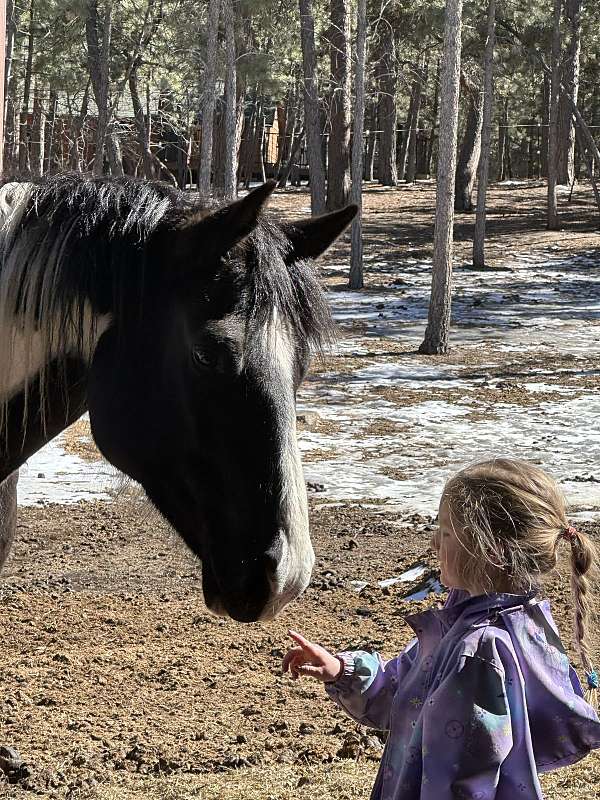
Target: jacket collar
{"x": 462, "y": 610}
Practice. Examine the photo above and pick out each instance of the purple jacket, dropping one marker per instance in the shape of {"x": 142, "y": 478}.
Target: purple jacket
{"x": 476, "y": 706}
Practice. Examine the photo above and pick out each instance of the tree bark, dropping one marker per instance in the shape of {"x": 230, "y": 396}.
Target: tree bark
{"x": 486, "y": 139}
{"x": 285, "y": 170}
{"x": 470, "y": 149}
{"x": 371, "y": 141}
{"x": 434, "y": 117}
{"x": 403, "y": 155}
{"x": 553, "y": 222}
{"x": 230, "y": 187}
{"x": 338, "y": 162}
{"x": 141, "y": 127}
{"x": 36, "y": 148}
{"x": 247, "y": 158}
{"x": 386, "y": 78}
{"x": 50, "y": 162}
{"x": 9, "y": 24}
{"x": 287, "y": 131}
{"x": 208, "y": 101}
{"x": 78, "y": 143}
{"x": 545, "y": 127}
{"x": 311, "y": 108}
{"x": 411, "y": 149}
{"x": 589, "y": 164}
{"x": 113, "y": 151}
{"x": 152, "y": 166}
{"x": 570, "y": 80}
{"x": 356, "y": 260}
{"x": 438, "y": 323}
{"x": 24, "y": 165}
{"x": 98, "y": 65}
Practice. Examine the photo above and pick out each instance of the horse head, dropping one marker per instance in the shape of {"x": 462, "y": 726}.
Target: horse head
{"x": 192, "y": 390}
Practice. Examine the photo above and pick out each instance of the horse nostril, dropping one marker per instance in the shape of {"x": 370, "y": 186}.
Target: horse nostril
{"x": 274, "y": 555}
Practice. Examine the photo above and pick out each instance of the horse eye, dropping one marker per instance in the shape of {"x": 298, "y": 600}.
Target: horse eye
{"x": 203, "y": 359}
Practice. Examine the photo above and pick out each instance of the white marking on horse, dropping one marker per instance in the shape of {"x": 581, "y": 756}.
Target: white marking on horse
{"x": 296, "y": 556}
{"x": 26, "y": 348}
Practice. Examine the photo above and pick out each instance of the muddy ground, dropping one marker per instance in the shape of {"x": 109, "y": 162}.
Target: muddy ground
{"x": 118, "y": 684}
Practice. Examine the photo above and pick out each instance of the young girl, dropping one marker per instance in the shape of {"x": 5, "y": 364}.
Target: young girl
{"x": 484, "y": 698}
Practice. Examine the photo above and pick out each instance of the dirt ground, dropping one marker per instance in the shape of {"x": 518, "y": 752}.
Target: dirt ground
{"x": 119, "y": 685}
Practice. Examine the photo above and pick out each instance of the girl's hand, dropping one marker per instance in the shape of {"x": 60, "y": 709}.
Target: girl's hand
{"x": 311, "y": 659}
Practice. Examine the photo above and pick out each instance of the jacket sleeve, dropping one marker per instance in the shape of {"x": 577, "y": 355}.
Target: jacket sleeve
{"x": 366, "y": 688}
{"x": 472, "y": 726}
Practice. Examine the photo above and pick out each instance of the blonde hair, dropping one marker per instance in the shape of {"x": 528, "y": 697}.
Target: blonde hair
{"x": 511, "y": 519}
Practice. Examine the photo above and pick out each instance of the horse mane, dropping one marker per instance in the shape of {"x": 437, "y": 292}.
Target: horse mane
{"x": 58, "y": 236}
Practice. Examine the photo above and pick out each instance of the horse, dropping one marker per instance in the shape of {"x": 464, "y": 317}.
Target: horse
{"x": 185, "y": 332}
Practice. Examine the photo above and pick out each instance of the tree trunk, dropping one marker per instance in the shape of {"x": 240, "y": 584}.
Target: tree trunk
{"x": 8, "y": 106}
{"x": 486, "y": 139}
{"x": 338, "y": 161}
{"x": 553, "y": 222}
{"x": 230, "y": 188}
{"x": 501, "y": 143}
{"x": 356, "y": 260}
{"x": 284, "y": 173}
{"x": 50, "y": 161}
{"x": 468, "y": 158}
{"x": 248, "y": 139}
{"x": 78, "y": 143}
{"x": 98, "y": 65}
{"x": 531, "y": 148}
{"x": 589, "y": 163}
{"x": 259, "y": 139}
{"x": 311, "y": 108}
{"x": 385, "y": 75}
{"x": 434, "y": 116}
{"x": 411, "y": 150}
{"x": 287, "y": 129}
{"x": 141, "y": 127}
{"x": 11, "y": 150}
{"x": 371, "y": 141}
{"x": 438, "y": 323}
{"x": 209, "y": 101}
{"x": 404, "y": 137}
{"x": 36, "y": 148}
{"x": 570, "y": 79}
{"x": 545, "y": 127}
{"x": 24, "y": 166}
{"x": 113, "y": 151}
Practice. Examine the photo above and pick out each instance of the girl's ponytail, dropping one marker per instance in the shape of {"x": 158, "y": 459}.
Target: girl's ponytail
{"x": 584, "y": 563}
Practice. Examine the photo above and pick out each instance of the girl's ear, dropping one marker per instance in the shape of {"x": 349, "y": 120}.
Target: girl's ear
{"x": 311, "y": 237}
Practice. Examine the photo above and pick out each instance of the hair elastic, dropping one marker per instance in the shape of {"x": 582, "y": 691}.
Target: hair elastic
{"x": 569, "y": 533}
{"x": 591, "y": 695}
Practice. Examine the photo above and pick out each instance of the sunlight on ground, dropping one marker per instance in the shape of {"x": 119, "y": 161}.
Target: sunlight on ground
{"x": 348, "y": 781}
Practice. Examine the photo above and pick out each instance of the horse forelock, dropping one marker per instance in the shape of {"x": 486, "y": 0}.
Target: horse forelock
{"x": 284, "y": 291}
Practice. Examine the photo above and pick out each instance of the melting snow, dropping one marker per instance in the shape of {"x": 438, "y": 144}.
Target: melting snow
{"x": 540, "y": 305}
{"x": 53, "y": 475}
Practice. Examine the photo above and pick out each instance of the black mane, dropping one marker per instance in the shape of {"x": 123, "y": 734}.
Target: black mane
{"x": 73, "y": 227}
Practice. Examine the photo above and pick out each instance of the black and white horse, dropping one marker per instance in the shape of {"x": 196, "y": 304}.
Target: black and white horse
{"x": 185, "y": 332}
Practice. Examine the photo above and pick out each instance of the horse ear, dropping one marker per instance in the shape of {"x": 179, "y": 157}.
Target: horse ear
{"x": 311, "y": 237}
{"x": 216, "y": 233}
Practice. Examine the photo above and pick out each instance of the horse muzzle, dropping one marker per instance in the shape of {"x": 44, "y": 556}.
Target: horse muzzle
{"x": 254, "y": 589}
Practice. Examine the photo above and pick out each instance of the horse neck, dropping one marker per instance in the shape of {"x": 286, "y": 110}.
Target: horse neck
{"x": 34, "y": 417}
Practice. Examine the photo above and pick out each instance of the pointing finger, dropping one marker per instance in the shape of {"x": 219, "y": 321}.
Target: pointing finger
{"x": 302, "y": 642}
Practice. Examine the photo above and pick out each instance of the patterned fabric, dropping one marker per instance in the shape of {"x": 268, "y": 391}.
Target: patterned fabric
{"x": 480, "y": 702}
